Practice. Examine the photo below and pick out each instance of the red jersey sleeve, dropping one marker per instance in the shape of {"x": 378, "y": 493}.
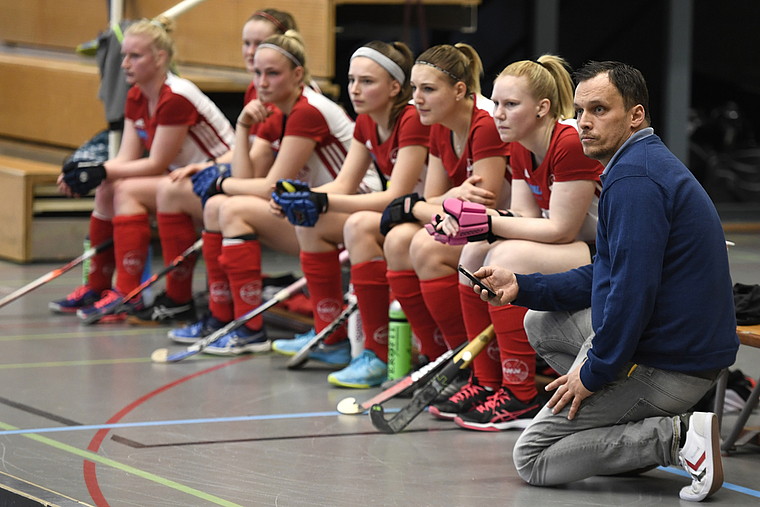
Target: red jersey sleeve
{"x": 410, "y": 131}
{"x": 568, "y": 161}
{"x": 485, "y": 141}
{"x": 176, "y": 110}
{"x": 306, "y": 121}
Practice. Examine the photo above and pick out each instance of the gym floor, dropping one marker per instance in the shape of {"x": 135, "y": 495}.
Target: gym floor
{"x": 87, "y": 419}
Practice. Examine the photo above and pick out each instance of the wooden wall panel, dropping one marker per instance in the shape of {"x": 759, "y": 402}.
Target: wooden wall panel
{"x": 48, "y": 101}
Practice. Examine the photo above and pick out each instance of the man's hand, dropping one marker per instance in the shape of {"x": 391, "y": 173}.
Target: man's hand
{"x": 503, "y": 282}
{"x": 571, "y": 390}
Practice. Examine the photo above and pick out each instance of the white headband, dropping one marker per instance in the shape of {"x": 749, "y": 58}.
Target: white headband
{"x": 285, "y": 52}
{"x": 389, "y": 65}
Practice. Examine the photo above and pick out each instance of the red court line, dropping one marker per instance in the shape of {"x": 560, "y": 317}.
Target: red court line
{"x": 90, "y": 476}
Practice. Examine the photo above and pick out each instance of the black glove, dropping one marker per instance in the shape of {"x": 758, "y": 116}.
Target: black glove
{"x": 83, "y": 176}
{"x": 399, "y": 211}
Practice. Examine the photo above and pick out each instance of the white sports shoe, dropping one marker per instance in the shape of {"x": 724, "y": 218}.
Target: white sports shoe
{"x": 700, "y": 457}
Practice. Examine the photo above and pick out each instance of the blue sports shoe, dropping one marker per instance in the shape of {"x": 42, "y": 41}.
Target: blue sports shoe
{"x": 196, "y": 331}
{"x": 366, "y": 370}
{"x": 338, "y": 354}
{"x": 240, "y": 341}
{"x": 81, "y": 297}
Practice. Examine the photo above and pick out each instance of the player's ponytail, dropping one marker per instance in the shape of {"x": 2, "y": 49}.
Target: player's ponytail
{"x": 457, "y": 63}
{"x": 548, "y": 78}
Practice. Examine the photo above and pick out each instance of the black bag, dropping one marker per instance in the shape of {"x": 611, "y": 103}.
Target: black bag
{"x": 747, "y": 304}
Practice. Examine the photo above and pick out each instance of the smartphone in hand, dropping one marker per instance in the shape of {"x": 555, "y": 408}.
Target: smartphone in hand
{"x": 477, "y": 281}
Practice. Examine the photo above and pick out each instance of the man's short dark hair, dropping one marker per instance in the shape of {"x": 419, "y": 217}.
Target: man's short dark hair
{"x": 628, "y": 80}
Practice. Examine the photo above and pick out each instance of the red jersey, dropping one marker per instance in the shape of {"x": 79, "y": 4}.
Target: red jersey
{"x": 564, "y": 161}
{"x": 315, "y": 117}
{"x": 250, "y": 94}
{"x": 180, "y": 102}
{"x": 483, "y": 141}
{"x": 408, "y": 131}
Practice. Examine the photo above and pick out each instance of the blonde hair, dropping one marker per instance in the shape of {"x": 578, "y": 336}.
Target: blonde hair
{"x": 548, "y": 78}
{"x": 158, "y": 31}
{"x": 458, "y": 63}
{"x": 292, "y": 42}
{"x": 402, "y": 56}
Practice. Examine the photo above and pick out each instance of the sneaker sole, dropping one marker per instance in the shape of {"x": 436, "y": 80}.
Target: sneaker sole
{"x": 237, "y": 351}
{"x": 443, "y": 416}
{"x": 283, "y": 352}
{"x": 351, "y": 385}
{"x": 711, "y": 426}
{"x": 185, "y": 341}
{"x": 134, "y": 320}
{"x": 489, "y": 426}
{"x": 58, "y": 309}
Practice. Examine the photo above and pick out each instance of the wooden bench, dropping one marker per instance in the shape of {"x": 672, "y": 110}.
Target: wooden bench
{"x": 35, "y": 221}
{"x": 749, "y": 336}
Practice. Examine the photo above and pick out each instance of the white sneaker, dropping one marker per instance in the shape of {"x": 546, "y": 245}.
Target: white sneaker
{"x": 700, "y": 456}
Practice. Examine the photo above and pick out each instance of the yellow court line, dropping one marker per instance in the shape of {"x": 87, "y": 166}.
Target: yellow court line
{"x": 79, "y": 334}
{"x": 96, "y": 458}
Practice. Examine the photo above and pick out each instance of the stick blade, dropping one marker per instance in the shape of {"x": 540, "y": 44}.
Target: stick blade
{"x": 377, "y": 416}
{"x": 160, "y": 356}
{"x": 348, "y": 406}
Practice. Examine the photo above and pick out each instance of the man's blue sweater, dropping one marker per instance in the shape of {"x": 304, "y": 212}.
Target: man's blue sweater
{"x": 660, "y": 289}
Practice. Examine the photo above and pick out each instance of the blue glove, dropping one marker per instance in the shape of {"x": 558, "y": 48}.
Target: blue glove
{"x": 205, "y": 181}
{"x": 300, "y": 204}
{"x": 83, "y": 176}
{"x": 399, "y": 211}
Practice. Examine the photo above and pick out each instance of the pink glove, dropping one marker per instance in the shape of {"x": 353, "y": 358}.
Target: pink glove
{"x": 474, "y": 223}
{"x": 439, "y": 236}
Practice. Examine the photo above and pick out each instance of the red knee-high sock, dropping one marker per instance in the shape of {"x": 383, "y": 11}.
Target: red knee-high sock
{"x": 371, "y": 289}
{"x": 487, "y": 364}
{"x": 325, "y": 283}
{"x": 131, "y": 240}
{"x": 177, "y": 234}
{"x": 220, "y": 297}
{"x": 241, "y": 260}
{"x": 441, "y": 297}
{"x": 406, "y": 289}
{"x": 100, "y": 276}
{"x": 518, "y": 359}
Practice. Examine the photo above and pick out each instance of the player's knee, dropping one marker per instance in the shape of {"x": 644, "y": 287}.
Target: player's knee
{"x": 397, "y": 242}
{"x": 359, "y": 227}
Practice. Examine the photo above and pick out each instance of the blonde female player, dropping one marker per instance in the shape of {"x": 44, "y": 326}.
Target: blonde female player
{"x": 302, "y": 134}
{"x": 179, "y": 208}
{"x": 467, "y": 160}
{"x": 177, "y": 124}
{"x": 388, "y": 132}
{"x": 550, "y": 228}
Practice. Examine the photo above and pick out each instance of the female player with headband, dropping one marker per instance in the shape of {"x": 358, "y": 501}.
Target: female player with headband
{"x": 388, "y": 132}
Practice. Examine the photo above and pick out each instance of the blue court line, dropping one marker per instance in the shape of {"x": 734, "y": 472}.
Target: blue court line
{"x": 176, "y": 422}
{"x": 726, "y": 485}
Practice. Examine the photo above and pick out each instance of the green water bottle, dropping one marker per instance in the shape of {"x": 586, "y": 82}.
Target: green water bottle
{"x": 86, "y": 263}
{"x": 399, "y": 342}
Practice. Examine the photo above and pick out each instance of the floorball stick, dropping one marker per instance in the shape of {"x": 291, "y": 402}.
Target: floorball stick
{"x": 95, "y": 317}
{"x": 26, "y": 289}
{"x": 302, "y": 355}
{"x": 432, "y": 388}
{"x": 348, "y": 406}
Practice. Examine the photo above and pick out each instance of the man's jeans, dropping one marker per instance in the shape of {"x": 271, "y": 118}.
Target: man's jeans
{"x": 627, "y": 425}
